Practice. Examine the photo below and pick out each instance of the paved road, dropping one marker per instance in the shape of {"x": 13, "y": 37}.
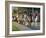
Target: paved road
{"x": 21, "y": 27}
{"x": 34, "y": 26}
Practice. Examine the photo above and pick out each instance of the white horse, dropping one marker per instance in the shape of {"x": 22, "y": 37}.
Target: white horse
{"x": 35, "y": 20}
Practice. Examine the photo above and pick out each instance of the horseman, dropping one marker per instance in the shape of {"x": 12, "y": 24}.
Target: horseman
{"x": 33, "y": 17}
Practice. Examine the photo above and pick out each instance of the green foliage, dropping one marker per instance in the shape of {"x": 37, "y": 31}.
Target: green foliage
{"x": 14, "y": 11}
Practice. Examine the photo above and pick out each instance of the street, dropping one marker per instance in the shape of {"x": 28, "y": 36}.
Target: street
{"x": 34, "y": 26}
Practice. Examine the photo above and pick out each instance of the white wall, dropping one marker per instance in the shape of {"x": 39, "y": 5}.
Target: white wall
{"x": 2, "y": 19}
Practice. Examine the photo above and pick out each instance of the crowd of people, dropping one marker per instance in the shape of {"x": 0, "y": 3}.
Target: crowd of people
{"x": 27, "y": 19}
